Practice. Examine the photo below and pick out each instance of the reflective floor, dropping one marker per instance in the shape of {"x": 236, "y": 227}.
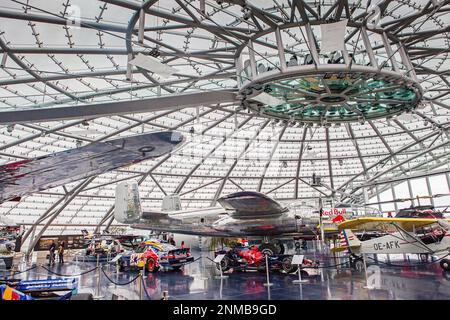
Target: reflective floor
{"x": 199, "y": 281}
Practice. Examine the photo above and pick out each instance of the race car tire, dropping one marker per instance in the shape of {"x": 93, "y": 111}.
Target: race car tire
{"x": 225, "y": 263}
{"x": 445, "y": 264}
{"x": 287, "y": 265}
{"x": 151, "y": 266}
{"x": 358, "y": 265}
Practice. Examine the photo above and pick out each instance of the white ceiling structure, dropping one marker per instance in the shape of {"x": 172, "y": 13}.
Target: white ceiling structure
{"x": 60, "y": 58}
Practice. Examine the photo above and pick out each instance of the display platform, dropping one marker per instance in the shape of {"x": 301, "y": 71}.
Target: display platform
{"x": 199, "y": 281}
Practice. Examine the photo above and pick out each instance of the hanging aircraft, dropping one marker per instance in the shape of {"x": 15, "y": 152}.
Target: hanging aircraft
{"x": 423, "y": 236}
{"x": 240, "y": 214}
{"x": 24, "y": 177}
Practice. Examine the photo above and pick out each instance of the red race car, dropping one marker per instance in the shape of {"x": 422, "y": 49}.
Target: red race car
{"x": 154, "y": 255}
{"x": 251, "y": 258}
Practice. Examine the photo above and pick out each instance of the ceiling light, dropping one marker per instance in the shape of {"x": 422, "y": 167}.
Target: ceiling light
{"x": 154, "y": 53}
{"x": 361, "y": 120}
{"x": 246, "y": 13}
{"x": 152, "y": 64}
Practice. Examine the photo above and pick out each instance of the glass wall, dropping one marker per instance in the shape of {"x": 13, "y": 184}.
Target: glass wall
{"x": 432, "y": 190}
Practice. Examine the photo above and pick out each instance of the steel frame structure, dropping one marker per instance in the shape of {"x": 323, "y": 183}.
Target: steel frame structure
{"x": 211, "y": 82}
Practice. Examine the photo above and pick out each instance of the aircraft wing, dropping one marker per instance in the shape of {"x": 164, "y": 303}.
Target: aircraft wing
{"x": 341, "y": 249}
{"x": 386, "y": 224}
{"x": 24, "y": 177}
{"x": 184, "y": 214}
{"x": 251, "y": 204}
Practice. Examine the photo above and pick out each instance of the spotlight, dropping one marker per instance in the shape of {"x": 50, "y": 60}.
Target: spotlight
{"x": 10, "y": 128}
{"x": 246, "y": 13}
{"x": 85, "y": 123}
{"x": 361, "y": 120}
{"x": 154, "y": 53}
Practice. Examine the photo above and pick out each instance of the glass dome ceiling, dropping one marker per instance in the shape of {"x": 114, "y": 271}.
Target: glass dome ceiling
{"x": 72, "y": 55}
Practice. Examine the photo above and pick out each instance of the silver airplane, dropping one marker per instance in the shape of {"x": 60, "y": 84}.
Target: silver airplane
{"x": 241, "y": 214}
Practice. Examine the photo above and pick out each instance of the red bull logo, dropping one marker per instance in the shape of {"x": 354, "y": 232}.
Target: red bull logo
{"x": 334, "y": 211}
{"x": 338, "y": 219}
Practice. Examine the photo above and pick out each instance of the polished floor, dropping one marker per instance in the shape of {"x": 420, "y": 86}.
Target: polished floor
{"x": 199, "y": 281}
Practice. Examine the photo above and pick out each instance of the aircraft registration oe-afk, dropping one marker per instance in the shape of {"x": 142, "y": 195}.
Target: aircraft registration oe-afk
{"x": 240, "y": 214}
{"x": 25, "y": 177}
{"x": 423, "y": 236}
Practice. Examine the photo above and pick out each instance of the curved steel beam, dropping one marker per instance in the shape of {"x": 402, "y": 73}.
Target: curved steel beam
{"x": 170, "y": 102}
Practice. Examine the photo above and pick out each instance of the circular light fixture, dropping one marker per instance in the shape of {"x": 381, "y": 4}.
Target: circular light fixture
{"x": 334, "y": 96}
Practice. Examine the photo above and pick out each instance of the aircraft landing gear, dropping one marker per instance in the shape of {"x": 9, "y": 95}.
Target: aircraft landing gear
{"x": 271, "y": 248}
{"x": 356, "y": 263}
{"x": 445, "y": 264}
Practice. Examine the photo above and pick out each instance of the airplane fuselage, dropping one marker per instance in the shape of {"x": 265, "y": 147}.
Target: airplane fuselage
{"x": 401, "y": 242}
{"x": 223, "y": 225}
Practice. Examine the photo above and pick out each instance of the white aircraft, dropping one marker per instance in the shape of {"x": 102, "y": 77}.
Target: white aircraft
{"x": 423, "y": 236}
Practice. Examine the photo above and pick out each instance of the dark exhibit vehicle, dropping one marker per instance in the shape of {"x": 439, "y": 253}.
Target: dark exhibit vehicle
{"x": 420, "y": 212}
{"x": 251, "y": 258}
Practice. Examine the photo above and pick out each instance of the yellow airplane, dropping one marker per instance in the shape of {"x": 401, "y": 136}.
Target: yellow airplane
{"x": 402, "y": 235}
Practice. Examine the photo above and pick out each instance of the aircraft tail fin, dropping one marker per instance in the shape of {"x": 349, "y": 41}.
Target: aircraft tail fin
{"x": 171, "y": 202}
{"x": 128, "y": 204}
{"x": 347, "y": 241}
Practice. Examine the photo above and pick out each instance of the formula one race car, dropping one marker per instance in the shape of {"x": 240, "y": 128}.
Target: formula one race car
{"x": 154, "y": 254}
{"x": 251, "y": 258}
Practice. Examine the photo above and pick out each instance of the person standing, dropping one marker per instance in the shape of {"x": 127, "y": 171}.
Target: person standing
{"x": 61, "y": 251}
{"x": 51, "y": 257}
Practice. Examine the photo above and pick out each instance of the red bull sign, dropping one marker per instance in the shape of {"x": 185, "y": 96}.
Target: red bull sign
{"x": 334, "y": 211}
